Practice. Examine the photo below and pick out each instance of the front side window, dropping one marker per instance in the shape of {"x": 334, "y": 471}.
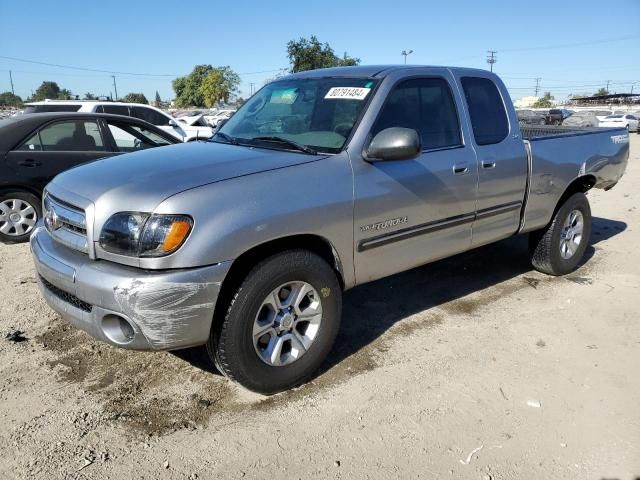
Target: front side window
{"x": 486, "y": 109}
{"x": 50, "y": 107}
{"x": 130, "y": 138}
{"x": 426, "y": 106}
{"x": 151, "y": 116}
{"x": 71, "y": 136}
{"x": 318, "y": 113}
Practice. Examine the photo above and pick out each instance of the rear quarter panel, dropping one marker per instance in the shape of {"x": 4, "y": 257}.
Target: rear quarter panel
{"x": 559, "y": 160}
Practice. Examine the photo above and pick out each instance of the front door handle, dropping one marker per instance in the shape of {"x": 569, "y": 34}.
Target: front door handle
{"x": 29, "y": 163}
{"x": 460, "y": 169}
{"x": 489, "y": 164}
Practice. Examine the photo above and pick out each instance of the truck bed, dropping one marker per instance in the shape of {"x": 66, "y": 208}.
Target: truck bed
{"x": 561, "y": 155}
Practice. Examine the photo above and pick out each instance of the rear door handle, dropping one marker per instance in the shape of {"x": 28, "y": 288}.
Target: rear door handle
{"x": 488, "y": 164}
{"x": 29, "y": 163}
{"x": 460, "y": 169}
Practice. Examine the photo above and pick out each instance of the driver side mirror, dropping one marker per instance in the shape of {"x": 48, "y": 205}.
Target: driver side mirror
{"x": 395, "y": 143}
{"x": 173, "y": 123}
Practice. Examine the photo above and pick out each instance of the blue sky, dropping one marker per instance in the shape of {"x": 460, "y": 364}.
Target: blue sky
{"x": 573, "y": 46}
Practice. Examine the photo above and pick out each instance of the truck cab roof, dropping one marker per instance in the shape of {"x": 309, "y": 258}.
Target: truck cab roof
{"x": 376, "y": 71}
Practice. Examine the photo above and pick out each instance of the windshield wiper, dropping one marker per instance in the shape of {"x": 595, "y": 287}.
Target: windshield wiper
{"x": 227, "y": 138}
{"x": 291, "y": 143}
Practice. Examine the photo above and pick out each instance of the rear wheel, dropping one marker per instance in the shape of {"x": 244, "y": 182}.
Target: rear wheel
{"x": 19, "y": 212}
{"x": 558, "y": 248}
{"x": 280, "y": 324}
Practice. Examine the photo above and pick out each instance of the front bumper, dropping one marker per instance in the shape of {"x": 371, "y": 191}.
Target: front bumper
{"x": 125, "y": 306}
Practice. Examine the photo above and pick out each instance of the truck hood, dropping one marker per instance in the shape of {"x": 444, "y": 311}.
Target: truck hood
{"x": 140, "y": 181}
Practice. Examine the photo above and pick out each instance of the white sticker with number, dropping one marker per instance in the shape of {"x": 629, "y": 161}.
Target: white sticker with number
{"x": 351, "y": 93}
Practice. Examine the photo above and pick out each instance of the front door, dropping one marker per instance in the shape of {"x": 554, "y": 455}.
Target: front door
{"x": 54, "y": 148}
{"x": 410, "y": 212}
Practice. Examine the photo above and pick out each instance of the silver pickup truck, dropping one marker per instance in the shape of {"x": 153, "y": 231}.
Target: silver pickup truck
{"x": 322, "y": 181}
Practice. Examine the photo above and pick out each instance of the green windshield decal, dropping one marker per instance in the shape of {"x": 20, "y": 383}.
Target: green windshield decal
{"x": 285, "y": 96}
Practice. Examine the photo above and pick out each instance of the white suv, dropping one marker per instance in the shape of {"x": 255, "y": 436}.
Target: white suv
{"x": 153, "y": 115}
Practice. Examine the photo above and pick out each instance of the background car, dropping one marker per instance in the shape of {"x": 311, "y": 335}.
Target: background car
{"x": 35, "y": 148}
{"x": 215, "y": 119}
{"x": 630, "y": 122}
{"x": 557, "y": 116}
{"x": 154, "y": 116}
{"x": 602, "y": 114}
{"x": 582, "y": 118}
{"x": 529, "y": 117}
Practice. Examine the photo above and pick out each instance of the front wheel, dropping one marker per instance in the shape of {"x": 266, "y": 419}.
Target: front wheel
{"x": 280, "y": 324}
{"x": 558, "y": 248}
{"x": 19, "y": 212}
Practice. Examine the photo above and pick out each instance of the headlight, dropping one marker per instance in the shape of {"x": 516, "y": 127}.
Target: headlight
{"x": 138, "y": 234}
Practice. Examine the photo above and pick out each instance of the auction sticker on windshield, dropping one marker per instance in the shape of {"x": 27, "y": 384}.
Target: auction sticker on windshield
{"x": 351, "y": 93}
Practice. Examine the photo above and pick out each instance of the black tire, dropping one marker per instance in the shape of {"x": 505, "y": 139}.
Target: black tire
{"x": 11, "y": 236}
{"x": 231, "y": 345}
{"x": 544, "y": 245}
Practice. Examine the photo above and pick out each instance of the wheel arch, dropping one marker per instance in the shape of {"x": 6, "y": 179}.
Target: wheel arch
{"x": 581, "y": 184}
{"x": 243, "y": 264}
{"x": 21, "y": 188}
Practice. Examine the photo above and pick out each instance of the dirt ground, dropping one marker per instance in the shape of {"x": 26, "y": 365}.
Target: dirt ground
{"x": 473, "y": 367}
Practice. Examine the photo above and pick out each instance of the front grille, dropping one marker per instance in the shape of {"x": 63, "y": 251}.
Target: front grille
{"x": 66, "y": 223}
{"x": 66, "y": 296}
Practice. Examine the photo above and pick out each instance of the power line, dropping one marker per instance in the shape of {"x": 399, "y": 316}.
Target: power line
{"x": 114, "y": 72}
{"x": 570, "y": 45}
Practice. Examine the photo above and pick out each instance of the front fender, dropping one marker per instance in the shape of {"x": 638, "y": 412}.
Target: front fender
{"x": 233, "y": 216}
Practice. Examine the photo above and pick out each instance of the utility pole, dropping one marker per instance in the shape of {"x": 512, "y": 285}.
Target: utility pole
{"x": 114, "y": 86}
{"x": 537, "y": 85}
{"x": 11, "y": 80}
{"x": 491, "y": 58}
{"x": 608, "y": 82}
{"x": 251, "y": 85}
{"x": 406, "y": 53}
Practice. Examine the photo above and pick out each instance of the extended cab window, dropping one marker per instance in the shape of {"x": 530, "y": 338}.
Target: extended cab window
{"x": 71, "y": 136}
{"x": 488, "y": 116}
{"x": 425, "y": 105}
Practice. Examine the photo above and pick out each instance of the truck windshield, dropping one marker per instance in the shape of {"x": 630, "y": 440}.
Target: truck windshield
{"x": 318, "y": 113}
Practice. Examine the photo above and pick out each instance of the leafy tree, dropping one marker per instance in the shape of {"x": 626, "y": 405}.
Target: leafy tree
{"x": 158, "y": 99}
{"x": 602, "y": 91}
{"x": 187, "y": 88}
{"x": 219, "y": 85}
{"x": 309, "y": 54}
{"x": 90, "y": 96}
{"x": 46, "y": 90}
{"x": 545, "y": 102}
{"x": 134, "y": 98}
{"x": 64, "y": 94}
{"x": 10, "y": 100}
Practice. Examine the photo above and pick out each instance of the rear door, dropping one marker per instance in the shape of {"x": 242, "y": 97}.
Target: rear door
{"x": 55, "y": 148}
{"x": 409, "y": 212}
{"x": 502, "y": 159}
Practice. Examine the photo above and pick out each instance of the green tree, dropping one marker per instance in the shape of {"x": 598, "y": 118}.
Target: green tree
{"x": 309, "y": 54}
{"x": 90, "y": 96}
{"x": 602, "y": 91}
{"x": 187, "y": 88}
{"x": 545, "y": 102}
{"x": 64, "y": 94}
{"x": 134, "y": 98}
{"x": 8, "y": 99}
{"x": 219, "y": 85}
{"x": 46, "y": 90}
{"x": 158, "y": 99}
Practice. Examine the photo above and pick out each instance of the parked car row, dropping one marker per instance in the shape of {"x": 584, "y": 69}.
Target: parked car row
{"x": 580, "y": 118}
{"x": 181, "y": 130}
{"x": 34, "y": 148}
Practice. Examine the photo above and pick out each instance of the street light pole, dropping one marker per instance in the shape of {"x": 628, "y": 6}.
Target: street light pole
{"x": 406, "y": 53}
